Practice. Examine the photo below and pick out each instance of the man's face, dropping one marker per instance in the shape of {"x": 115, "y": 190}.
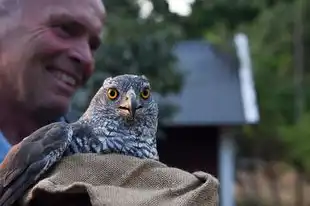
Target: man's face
{"x": 48, "y": 52}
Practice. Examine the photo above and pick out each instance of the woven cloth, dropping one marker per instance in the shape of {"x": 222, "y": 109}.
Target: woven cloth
{"x": 117, "y": 180}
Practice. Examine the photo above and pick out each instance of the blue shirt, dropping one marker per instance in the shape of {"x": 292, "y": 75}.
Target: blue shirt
{"x": 5, "y": 145}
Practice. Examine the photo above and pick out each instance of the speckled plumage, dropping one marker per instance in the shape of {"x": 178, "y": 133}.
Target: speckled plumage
{"x": 115, "y": 131}
{"x": 125, "y": 125}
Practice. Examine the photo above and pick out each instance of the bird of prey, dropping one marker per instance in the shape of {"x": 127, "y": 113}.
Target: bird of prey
{"x": 122, "y": 118}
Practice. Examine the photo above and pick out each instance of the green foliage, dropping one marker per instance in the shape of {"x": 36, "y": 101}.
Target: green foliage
{"x": 270, "y": 28}
{"x": 273, "y": 53}
{"x": 297, "y": 136}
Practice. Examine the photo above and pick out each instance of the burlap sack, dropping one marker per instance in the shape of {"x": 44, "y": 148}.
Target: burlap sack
{"x": 117, "y": 180}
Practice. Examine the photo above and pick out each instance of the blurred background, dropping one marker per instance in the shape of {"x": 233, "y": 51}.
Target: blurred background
{"x": 232, "y": 80}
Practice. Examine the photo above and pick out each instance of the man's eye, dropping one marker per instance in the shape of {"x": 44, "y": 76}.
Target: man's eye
{"x": 94, "y": 43}
{"x": 67, "y": 30}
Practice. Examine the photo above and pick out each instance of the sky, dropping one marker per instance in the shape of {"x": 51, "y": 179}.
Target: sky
{"x": 181, "y": 7}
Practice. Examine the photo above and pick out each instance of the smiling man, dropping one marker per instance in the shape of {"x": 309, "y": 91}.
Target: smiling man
{"x": 46, "y": 54}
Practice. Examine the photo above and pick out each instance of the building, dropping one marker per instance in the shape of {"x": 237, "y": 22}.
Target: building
{"x": 217, "y": 96}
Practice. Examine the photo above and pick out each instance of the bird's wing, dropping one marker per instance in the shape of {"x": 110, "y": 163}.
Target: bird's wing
{"x": 84, "y": 140}
{"x": 27, "y": 161}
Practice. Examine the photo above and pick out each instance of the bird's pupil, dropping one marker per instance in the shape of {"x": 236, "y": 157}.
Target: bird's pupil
{"x": 112, "y": 93}
{"x": 145, "y": 93}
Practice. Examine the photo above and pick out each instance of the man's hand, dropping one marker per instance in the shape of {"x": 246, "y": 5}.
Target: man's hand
{"x": 27, "y": 160}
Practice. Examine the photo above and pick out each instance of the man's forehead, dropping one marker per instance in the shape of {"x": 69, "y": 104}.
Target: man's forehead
{"x": 88, "y": 12}
{"x": 6, "y": 6}
{"x": 96, "y": 3}
{"x": 89, "y": 18}
{"x": 90, "y": 7}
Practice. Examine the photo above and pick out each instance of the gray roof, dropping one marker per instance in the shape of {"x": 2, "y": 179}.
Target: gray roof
{"x": 211, "y": 94}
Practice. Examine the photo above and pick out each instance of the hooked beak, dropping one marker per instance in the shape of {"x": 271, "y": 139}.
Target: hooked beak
{"x": 131, "y": 104}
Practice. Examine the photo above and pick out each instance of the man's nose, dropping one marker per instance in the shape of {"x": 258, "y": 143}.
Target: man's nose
{"x": 82, "y": 56}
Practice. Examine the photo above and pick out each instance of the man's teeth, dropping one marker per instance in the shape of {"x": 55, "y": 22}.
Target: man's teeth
{"x": 65, "y": 78}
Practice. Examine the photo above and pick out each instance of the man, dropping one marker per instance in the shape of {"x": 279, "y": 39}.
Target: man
{"x": 46, "y": 54}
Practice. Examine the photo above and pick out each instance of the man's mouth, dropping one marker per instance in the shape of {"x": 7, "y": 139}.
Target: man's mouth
{"x": 64, "y": 77}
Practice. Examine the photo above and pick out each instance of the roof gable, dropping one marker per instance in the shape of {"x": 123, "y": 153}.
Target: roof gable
{"x": 211, "y": 92}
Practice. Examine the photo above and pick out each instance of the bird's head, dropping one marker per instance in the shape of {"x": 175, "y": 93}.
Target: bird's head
{"x": 127, "y": 97}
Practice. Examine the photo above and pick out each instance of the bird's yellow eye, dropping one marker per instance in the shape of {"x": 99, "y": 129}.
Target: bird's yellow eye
{"x": 145, "y": 94}
{"x": 112, "y": 93}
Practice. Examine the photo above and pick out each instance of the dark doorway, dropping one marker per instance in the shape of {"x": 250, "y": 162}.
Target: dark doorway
{"x": 190, "y": 148}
